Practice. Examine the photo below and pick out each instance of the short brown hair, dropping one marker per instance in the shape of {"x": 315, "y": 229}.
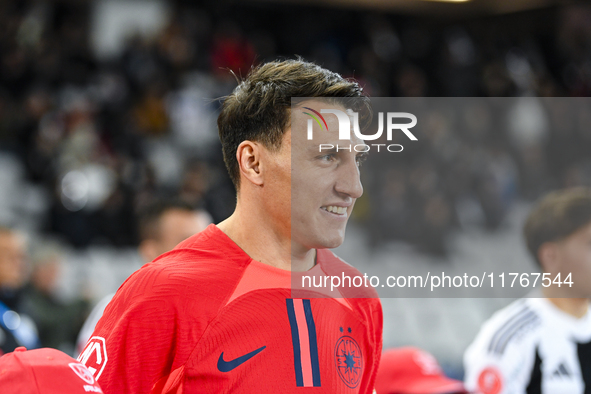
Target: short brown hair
{"x": 149, "y": 217}
{"x": 258, "y": 109}
{"x": 557, "y": 216}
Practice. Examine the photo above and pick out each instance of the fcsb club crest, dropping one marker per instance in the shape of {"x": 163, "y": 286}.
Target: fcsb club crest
{"x": 348, "y": 360}
{"x": 94, "y": 356}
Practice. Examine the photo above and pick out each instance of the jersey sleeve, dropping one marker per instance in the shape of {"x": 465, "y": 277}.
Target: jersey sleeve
{"x": 497, "y": 364}
{"x": 134, "y": 344}
{"x": 155, "y": 320}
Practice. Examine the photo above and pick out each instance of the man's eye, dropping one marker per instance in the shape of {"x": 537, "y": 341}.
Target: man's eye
{"x": 328, "y": 157}
{"x": 360, "y": 159}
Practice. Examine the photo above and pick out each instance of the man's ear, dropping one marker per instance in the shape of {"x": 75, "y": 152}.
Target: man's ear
{"x": 549, "y": 257}
{"x": 249, "y": 156}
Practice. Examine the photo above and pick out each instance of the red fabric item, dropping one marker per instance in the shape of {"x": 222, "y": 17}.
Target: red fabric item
{"x": 206, "y": 318}
{"x": 409, "y": 370}
{"x": 44, "y": 371}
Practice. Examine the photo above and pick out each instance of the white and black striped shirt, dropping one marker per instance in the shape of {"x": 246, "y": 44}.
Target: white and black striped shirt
{"x": 531, "y": 347}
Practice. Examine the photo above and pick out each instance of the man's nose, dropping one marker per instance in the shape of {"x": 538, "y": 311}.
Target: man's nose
{"x": 349, "y": 180}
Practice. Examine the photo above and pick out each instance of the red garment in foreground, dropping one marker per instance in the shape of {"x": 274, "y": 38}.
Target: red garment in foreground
{"x": 206, "y": 318}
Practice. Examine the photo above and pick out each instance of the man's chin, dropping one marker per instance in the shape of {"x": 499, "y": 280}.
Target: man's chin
{"x": 320, "y": 240}
{"x": 330, "y": 243}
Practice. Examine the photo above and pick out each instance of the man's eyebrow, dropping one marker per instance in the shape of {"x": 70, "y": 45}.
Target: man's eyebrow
{"x": 316, "y": 149}
{"x": 337, "y": 149}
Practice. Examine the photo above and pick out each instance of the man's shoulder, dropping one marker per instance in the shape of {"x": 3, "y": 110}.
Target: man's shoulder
{"x": 204, "y": 257}
{"x": 515, "y": 325}
{"x": 519, "y": 313}
{"x": 201, "y": 266}
{"x": 504, "y": 353}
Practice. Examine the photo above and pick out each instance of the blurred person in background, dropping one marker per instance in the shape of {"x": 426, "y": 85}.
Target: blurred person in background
{"x": 16, "y": 328}
{"x": 410, "y": 370}
{"x": 162, "y": 225}
{"x": 542, "y": 344}
{"x": 57, "y": 320}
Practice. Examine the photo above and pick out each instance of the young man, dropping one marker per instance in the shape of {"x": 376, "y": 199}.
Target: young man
{"x": 543, "y": 345}
{"x": 217, "y": 314}
{"x": 16, "y": 328}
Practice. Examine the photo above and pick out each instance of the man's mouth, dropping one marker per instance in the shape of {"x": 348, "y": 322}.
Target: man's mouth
{"x": 336, "y": 210}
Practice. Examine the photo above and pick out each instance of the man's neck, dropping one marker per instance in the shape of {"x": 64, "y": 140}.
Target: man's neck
{"x": 264, "y": 243}
{"x": 576, "y": 307}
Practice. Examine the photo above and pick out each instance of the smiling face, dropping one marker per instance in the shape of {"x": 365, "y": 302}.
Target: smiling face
{"x": 324, "y": 184}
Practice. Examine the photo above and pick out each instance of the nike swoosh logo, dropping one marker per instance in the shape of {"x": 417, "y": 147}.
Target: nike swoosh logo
{"x": 227, "y": 366}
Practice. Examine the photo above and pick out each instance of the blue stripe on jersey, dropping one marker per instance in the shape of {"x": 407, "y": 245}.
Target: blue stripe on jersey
{"x": 295, "y": 338}
{"x": 313, "y": 343}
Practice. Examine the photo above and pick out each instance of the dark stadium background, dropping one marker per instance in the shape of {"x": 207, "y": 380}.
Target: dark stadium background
{"x": 108, "y": 105}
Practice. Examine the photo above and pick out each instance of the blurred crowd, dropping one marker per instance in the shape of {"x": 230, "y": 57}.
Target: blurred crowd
{"x": 474, "y": 158}
{"x": 104, "y": 138}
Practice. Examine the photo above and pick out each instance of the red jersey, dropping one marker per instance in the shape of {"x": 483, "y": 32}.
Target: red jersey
{"x": 206, "y": 318}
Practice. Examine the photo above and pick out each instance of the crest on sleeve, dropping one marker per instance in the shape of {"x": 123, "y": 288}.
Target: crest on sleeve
{"x": 94, "y": 356}
{"x": 490, "y": 381}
